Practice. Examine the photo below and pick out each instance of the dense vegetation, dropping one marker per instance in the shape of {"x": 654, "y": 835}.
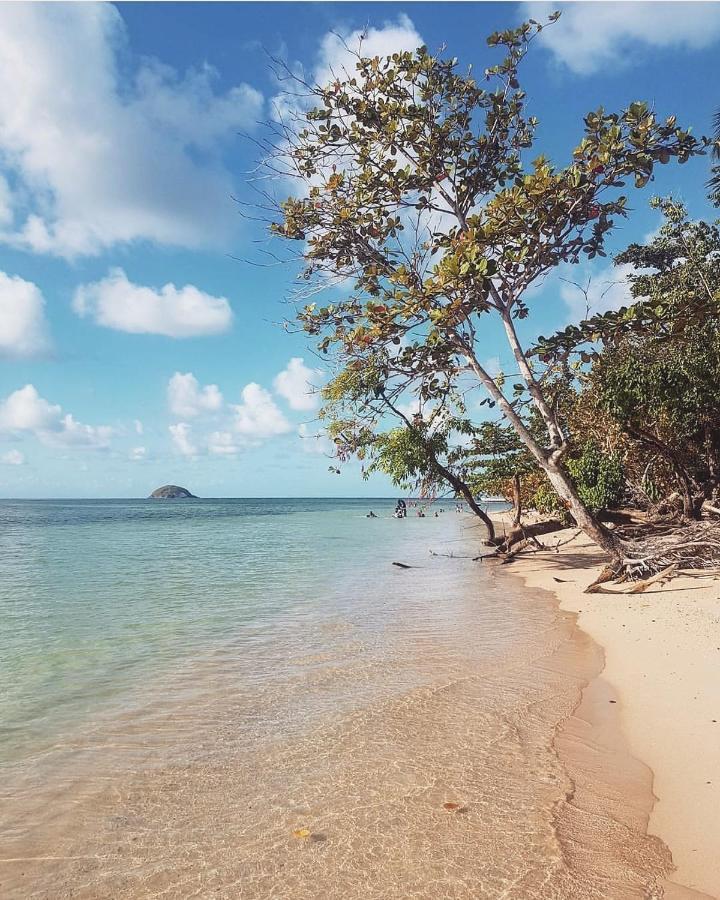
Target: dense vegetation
{"x": 420, "y": 204}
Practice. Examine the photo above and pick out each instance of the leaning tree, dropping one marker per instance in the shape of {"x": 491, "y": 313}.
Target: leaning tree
{"x": 420, "y": 208}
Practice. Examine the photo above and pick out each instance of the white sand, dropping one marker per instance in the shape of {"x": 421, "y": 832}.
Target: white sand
{"x": 662, "y": 651}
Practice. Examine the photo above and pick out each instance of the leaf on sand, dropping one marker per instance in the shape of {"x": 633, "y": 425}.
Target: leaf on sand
{"x": 302, "y": 833}
{"x": 451, "y": 806}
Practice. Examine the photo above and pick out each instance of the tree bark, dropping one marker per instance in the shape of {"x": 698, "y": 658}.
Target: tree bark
{"x": 585, "y": 519}
{"x": 551, "y": 463}
{"x": 461, "y": 488}
{"x": 517, "y": 500}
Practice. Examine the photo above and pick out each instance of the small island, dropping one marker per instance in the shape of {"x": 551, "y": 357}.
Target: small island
{"x": 172, "y": 492}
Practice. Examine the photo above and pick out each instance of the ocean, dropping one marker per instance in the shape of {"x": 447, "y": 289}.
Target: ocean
{"x": 246, "y": 698}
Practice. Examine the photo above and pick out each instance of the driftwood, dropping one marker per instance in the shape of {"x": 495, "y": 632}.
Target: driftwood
{"x": 607, "y": 574}
{"x": 686, "y": 545}
{"x": 526, "y": 532}
{"x": 653, "y": 552}
{"x": 660, "y": 578}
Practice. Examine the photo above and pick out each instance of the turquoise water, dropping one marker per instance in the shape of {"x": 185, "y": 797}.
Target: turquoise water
{"x": 245, "y": 698}
{"x": 101, "y": 598}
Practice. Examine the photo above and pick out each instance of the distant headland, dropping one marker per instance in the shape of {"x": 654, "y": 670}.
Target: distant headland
{"x": 172, "y": 492}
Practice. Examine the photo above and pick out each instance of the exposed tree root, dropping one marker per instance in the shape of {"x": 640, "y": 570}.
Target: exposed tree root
{"x": 649, "y": 551}
{"x": 652, "y": 552}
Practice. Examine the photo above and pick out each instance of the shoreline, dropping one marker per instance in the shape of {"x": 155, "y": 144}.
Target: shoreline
{"x": 442, "y": 746}
{"x": 661, "y": 654}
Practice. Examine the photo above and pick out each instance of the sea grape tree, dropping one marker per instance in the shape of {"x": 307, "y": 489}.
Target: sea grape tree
{"x": 424, "y": 210}
{"x": 655, "y": 365}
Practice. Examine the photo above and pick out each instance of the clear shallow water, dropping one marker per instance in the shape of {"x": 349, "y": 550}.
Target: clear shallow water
{"x": 97, "y": 598}
{"x": 185, "y": 685}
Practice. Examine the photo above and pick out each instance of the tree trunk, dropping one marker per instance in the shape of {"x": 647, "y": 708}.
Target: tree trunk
{"x": 585, "y": 519}
{"x": 456, "y": 483}
{"x": 691, "y": 496}
{"x": 550, "y": 464}
{"x": 461, "y": 488}
{"x": 713, "y": 462}
{"x": 517, "y": 500}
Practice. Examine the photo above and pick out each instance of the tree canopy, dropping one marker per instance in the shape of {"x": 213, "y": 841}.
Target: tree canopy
{"x": 423, "y": 203}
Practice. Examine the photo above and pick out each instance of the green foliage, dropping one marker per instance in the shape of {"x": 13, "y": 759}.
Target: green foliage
{"x": 406, "y": 455}
{"x": 423, "y": 198}
{"x": 655, "y": 366}
{"x": 676, "y": 287}
{"x": 546, "y": 501}
{"x": 494, "y": 457}
{"x": 599, "y": 478}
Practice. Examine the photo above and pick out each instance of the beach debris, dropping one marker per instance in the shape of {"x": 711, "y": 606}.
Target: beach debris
{"x": 302, "y": 833}
{"x": 661, "y": 577}
{"x": 404, "y": 566}
{"x": 607, "y": 574}
{"x": 451, "y": 806}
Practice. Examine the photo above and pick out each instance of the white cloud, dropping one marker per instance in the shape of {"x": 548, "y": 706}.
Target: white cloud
{"x": 6, "y": 201}
{"x": 258, "y": 416}
{"x": 138, "y": 453}
{"x": 315, "y": 442}
{"x": 23, "y": 327}
{"x": 337, "y": 50}
{"x": 492, "y": 366}
{"x": 606, "y": 289}
{"x": 180, "y": 434}
{"x": 222, "y": 443}
{"x": 336, "y": 57}
{"x": 96, "y": 158}
{"x": 115, "y": 302}
{"x": 138, "y": 426}
{"x": 187, "y": 399}
{"x": 12, "y": 458}
{"x": 590, "y": 36}
{"x": 25, "y": 411}
{"x": 410, "y": 408}
{"x": 74, "y": 433}
{"x": 295, "y": 384}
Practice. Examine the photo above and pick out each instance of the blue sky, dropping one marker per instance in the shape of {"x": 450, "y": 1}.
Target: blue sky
{"x": 136, "y": 347}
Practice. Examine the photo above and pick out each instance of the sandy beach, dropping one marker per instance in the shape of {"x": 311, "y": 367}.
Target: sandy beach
{"x": 662, "y": 660}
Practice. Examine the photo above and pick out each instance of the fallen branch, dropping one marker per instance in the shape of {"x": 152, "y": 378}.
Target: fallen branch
{"x": 607, "y": 574}
{"x": 639, "y": 586}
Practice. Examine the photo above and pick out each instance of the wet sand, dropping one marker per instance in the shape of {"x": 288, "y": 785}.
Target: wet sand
{"x": 462, "y": 746}
{"x": 662, "y": 661}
